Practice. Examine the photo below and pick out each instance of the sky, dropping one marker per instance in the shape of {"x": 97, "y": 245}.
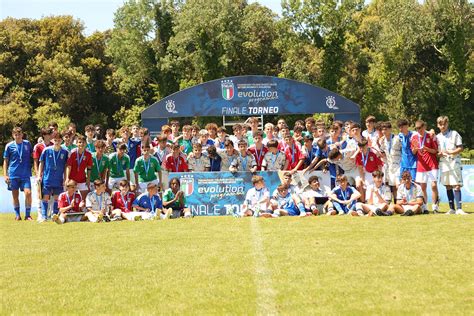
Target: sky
{"x": 96, "y": 14}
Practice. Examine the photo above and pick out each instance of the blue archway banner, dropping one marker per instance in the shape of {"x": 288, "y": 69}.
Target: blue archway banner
{"x": 250, "y": 96}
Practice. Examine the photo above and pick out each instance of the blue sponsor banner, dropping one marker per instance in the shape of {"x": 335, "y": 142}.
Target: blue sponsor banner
{"x": 250, "y": 96}
{"x": 219, "y": 193}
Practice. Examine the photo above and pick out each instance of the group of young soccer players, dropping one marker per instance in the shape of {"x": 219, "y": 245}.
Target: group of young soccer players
{"x": 100, "y": 177}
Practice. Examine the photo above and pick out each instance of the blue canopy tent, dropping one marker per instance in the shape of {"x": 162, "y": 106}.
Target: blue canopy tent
{"x": 249, "y": 96}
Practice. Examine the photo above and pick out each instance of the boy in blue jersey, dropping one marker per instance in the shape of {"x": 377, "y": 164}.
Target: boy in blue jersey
{"x": 148, "y": 205}
{"x": 408, "y": 160}
{"x": 17, "y": 171}
{"x": 283, "y": 202}
{"x": 344, "y": 198}
{"x": 52, "y": 172}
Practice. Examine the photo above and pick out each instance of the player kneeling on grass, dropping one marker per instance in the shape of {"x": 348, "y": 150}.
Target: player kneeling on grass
{"x": 71, "y": 205}
{"x": 283, "y": 202}
{"x": 99, "y": 204}
{"x": 409, "y": 196}
{"x": 378, "y": 197}
{"x": 122, "y": 200}
{"x": 148, "y": 204}
{"x": 315, "y": 199}
{"x": 174, "y": 201}
{"x": 257, "y": 200}
{"x": 344, "y": 198}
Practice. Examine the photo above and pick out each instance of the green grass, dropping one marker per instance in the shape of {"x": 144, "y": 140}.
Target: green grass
{"x": 337, "y": 265}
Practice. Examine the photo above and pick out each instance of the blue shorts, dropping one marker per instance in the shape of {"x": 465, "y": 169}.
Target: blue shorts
{"x": 292, "y": 211}
{"x": 411, "y": 170}
{"x": 48, "y": 190}
{"x": 19, "y": 183}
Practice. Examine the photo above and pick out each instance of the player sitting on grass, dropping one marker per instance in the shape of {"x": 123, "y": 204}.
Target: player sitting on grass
{"x": 174, "y": 200}
{"x": 71, "y": 205}
{"x": 98, "y": 203}
{"x": 148, "y": 204}
{"x": 257, "y": 200}
{"x": 344, "y": 198}
{"x": 122, "y": 201}
{"x": 409, "y": 196}
{"x": 283, "y": 202}
{"x": 315, "y": 198}
{"x": 379, "y": 197}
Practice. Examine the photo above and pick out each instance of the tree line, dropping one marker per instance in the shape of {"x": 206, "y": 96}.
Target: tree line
{"x": 395, "y": 58}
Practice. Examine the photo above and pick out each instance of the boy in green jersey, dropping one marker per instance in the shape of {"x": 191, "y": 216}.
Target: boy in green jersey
{"x": 119, "y": 166}
{"x": 147, "y": 168}
{"x": 100, "y": 163}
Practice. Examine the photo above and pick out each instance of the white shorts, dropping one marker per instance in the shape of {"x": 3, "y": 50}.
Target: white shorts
{"x": 392, "y": 176}
{"x": 82, "y": 186}
{"x": 132, "y": 177}
{"x": 409, "y": 207}
{"x": 143, "y": 185}
{"x": 114, "y": 182}
{"x": 427, "y": 176}
{"x": 373, "y": 207}
{"x": 452, "y": 177}
{"x": 131, "y": 215}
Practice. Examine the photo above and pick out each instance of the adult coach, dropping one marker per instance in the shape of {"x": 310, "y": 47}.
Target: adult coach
{"x": 17, "y": 171}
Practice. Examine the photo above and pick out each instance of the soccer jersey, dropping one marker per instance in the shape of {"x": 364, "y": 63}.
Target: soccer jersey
{"x": 343, "y": 195}
{"x": 173, "y": 164}
{"x": 198, "y": 164}
{"x": 90, "y": 145}
{"x": 161, "y": 154}
{"x": 69, "y": 148}
{"x": 152, "y": 203}
{"x": 310, "y": 193}
{"x": 133, "y": 150}
{"x": 98, "y": 202}
{"x": 123, "y": 202}
{"x": 64, "y": 200}
{"x": 346, "y": 163}
{"x": 99, "y": 165}
{"x": 425, "y": 161}
{"x": 244, "y": 163}
{"x": 228, "y": 160}
{"x": 215, "y": 163}
{"x": 369, "y": 161}
{"x": 38, "y": 149}
{"x": 168, "y": 195}
{"x": 118, "y": 165}
{"x": 384, "y": 192}
{"x": 274, "y": 162}
{"x": 79, "y": 163}
{"x": 54, "y": 163}
{"x": 450, "y": 140}
{"x": 258, "y": 154}
{"x": 408, "y": 158}
{"x": 147, "y": 168}
{"x": 254, "y": 197}
{"x": 310, "y": 154}
{"x": 293, "y": 156}
{"x": 19, "y": 159}
{"x": 392, "y": 148}
{"x": 414, "y": 192}
{"x": 284, "y": 202}
{"x": 187, "y": 146}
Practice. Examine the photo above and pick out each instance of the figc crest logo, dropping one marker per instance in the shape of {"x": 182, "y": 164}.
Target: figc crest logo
{"x": 187, "y": 184}
{"x": 171, "y": 107}
{"x": 227, "y": 89}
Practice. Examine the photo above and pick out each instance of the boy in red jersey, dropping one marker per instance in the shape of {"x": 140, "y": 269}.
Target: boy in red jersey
{"x": 122, "y": 201}
{"x": 258, "y": 150}
{"x": 367, "y": 163}
{"x": 175, "y": 162}
{"x": 71, "y": 205}
{"x": 294, "y": 155}
{"x": 79, "y": 166}
{"x": 425, "y": 147}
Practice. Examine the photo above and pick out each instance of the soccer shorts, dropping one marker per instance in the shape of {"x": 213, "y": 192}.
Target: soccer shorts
{"x": 114, "y": 182}
{"x": 292, "y": 211}
{"x": 409, "y": 207}
{"x": 132, "y": 177}
{"x": 344, "y": 207}
{"x": 49, "y": 190}
{"x": 19, "y": 184}
{"x": 452, "y": 177}
{"x": 131, "y": 215}
{"x": 143, "y": 185}
{"x": 427, "y": 176}
{"x": 82, "y": 186}
{"x": 392, "y": 176}
{"x": 374, "y": 207}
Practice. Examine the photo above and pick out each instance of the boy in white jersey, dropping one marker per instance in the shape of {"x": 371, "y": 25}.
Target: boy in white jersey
{"x": 449, "y": 148}
{"x": 99, "y": 203}
{"x": 378, "y": 197}
{"x": 257, "y": 199}
{"x": 391, "y": 149}
{"x": 409, "y": 196}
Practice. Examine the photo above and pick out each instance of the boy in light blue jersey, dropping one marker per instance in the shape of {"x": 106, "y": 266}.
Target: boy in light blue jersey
{"x": 283, "y": 202}
{"x": 17, "y": 171}
{"x": 52, "y": 172}
{"x": 408, "y": 160}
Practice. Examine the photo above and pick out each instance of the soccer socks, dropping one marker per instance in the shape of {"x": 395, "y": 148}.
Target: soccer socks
{"x": 28, "y": 211}
{"x": 301, "y": 207}
{"x": 44, "y": 209}
{"x": 17, "y": 211}
{"x": 55, "y": 207}
{"x": 450, "y": 194}
{"x": 457, "y": 199}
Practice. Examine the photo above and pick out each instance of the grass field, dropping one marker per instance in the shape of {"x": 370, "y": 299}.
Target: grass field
{"x": 337, "y": 265}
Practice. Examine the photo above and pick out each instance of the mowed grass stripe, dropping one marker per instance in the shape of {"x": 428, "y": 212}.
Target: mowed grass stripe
{"x": 377, "y": 265}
